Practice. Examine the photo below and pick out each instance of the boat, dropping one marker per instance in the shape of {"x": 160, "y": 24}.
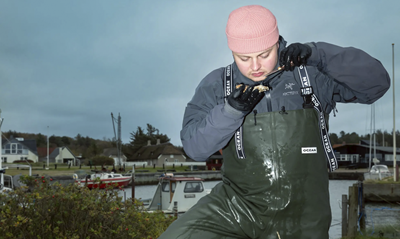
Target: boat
{"x": 8, "y": 183}
{"x": 378, "y": 172}
{"x": 103, "y": 179}
{"x": 175, "y": 195}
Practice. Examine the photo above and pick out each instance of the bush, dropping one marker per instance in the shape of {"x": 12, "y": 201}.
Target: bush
{"x": 23, "y": 161}
{"x": 102, "y": 160}
{"x": 46, "y": 210}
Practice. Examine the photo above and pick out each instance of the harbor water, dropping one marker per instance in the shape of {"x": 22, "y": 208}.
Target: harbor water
{"x": 377, "y": 214}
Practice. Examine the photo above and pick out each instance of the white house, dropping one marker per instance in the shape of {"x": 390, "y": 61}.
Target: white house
{"x": 113, "y": 153}
{"x": 16, "y": 149}
{"x": 62, "y": 155}
{"x": 159, "y": 154}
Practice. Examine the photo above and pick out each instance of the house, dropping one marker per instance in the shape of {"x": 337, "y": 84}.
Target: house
{"x": 58, "y": 155}
{"x": 347, "y": 154}
{"x": 42, "y": 153}
{"x": 16, "y": 149}
{"x": 113, "y": 153}
{"x": 158, "y": 154}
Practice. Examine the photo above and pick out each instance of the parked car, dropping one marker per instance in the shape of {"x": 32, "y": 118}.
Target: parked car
{"x": 380, "y": 168}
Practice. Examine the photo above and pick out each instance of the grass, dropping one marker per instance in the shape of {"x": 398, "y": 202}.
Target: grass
{"x": 64, "y": 170}
{"x": 388, "y": 180}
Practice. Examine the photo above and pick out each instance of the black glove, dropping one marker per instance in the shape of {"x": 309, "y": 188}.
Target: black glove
{"x": 295, "y": 54}
{"x": 244, "y": 99}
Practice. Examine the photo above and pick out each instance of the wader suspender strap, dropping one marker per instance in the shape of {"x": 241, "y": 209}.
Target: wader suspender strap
{"x": 311, "y": 100}
{"x": 228, "y": 88}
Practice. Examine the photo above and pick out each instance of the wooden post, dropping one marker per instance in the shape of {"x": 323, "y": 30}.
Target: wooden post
{"x": 353, "y": 205}
{"x": 344, "y": 215}
{"x": 362, "y": 206}
{"x": 175, "y": 209}
{"x": 133, "y": 183}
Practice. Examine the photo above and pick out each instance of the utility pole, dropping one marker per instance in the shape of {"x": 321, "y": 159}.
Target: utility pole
{"x": 1, "y": 159}
{"x": 48, "y": 147}
{"x": 394, "y": 121}
{"x": 117, "y": 136}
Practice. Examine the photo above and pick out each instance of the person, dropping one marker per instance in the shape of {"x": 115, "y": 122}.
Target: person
{"x": 269, "y": 111}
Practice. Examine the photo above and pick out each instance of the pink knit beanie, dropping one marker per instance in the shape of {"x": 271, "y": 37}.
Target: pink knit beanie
{"x": 251, "y": 29}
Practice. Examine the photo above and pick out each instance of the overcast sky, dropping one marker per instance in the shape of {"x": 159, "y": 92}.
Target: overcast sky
{"x": 70, "y": 64}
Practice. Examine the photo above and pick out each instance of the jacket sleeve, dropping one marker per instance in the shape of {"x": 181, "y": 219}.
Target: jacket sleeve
{"x": 208, "y": 122}
{"x": 360, "y": 78}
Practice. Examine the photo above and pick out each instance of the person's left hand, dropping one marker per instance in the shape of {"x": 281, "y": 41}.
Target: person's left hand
{"x": 295, "y": 54}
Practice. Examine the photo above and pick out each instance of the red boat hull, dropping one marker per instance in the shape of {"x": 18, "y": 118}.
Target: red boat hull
{"x": 116, "y": 182}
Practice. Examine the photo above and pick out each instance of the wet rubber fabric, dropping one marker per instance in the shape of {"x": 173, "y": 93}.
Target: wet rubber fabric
{"x": 280, "y": 190}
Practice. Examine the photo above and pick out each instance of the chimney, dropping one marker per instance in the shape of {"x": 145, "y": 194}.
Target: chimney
{"x": 158, "y": 141}
{"x": 148, "y": 142}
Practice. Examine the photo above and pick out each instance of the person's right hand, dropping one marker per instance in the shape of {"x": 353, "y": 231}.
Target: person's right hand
{"x": 295, "y": 54}
{"x": 244, "y": 98}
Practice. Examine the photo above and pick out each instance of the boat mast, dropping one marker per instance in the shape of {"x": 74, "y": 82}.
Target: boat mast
{"x": 394, "y": 122}
{"x": 370, "y": 137}
{"x": 1, "y": 153}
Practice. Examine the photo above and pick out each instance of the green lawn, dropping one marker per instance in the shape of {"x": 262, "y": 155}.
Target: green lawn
{"x": 63, "y": 169}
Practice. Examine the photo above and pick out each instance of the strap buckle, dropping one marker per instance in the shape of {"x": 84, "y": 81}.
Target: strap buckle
{"x": 306, "y": 93}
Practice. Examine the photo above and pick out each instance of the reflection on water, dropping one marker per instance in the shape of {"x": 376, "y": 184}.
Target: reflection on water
{"x": 337, "y": 188}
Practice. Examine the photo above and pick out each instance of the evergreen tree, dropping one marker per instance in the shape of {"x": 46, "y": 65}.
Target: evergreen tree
{"x": 139, "y": 138}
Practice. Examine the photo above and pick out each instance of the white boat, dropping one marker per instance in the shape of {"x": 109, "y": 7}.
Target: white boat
{"x": 8, "y": 183}
{"x": 176, "y": 195}
{"x": 378, "y": 172}
{"x": 103, "y": 179}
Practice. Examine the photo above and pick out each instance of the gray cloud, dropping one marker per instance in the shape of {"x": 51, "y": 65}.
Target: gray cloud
{"x": 69, "y": 64}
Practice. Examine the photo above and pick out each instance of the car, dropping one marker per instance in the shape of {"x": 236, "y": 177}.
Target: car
{"x": 380, "y": 168}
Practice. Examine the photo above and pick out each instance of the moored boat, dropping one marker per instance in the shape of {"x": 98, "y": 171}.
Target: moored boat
{"x": 176, "y": 195}
{"x": 8, "y": 183}
{"x": 103, "y": 179}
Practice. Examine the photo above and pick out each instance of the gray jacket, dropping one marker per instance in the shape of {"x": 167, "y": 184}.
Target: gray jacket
{"x": 337, "y": 74}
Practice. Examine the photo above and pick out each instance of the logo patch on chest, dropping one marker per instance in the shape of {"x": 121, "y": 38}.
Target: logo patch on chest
{"x": 308, "y": 150}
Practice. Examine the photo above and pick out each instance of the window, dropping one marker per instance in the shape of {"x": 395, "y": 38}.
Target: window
{"x": 165, "y": 186}
{"x": 15, "y": 148}
{"x": 4, "y": 159}
{"x": 8, "y": 146}
{"x": 171, "y": 156}
{"x": 193, "y": 187}
{"x": 19, "y": 149}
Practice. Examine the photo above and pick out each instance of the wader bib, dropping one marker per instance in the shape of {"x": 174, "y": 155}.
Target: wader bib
{"x": 278, "y": 190}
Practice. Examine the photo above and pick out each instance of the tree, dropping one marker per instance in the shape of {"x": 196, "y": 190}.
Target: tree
{"x": 334, "y": 139}
{"x": 41, "y": 140}
{"x": 102, "y": 160}
{"x": 140, "y": 139}
{"x": 65, "y": 140}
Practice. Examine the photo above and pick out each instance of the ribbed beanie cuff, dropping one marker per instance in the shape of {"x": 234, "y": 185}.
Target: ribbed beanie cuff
{"x": 251, "y": 29}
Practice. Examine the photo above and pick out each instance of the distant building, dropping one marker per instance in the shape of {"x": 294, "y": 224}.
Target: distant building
{"x": 19, "y": 149}
{"x": 58, "y": 155}
{"x": 360, "y": 153}
{"x": 113, "y": 153}
{"x": 158, "y": 154}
